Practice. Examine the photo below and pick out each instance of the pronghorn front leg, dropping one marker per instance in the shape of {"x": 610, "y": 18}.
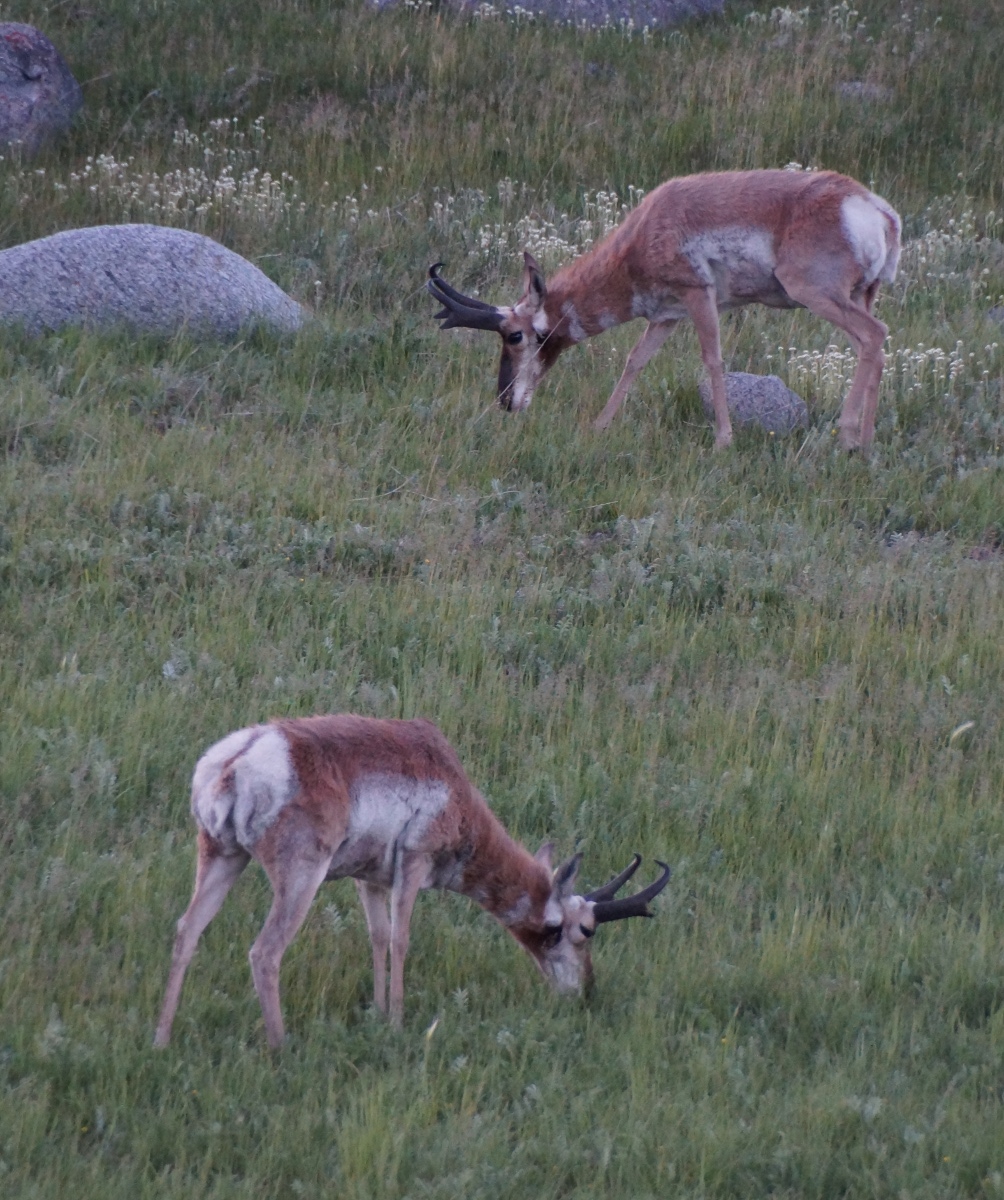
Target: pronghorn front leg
{"x": 373, "y": 898}
{"x": 646, "y": 346}
{"x": 700, "y": 303}
{"x": 410, "y": 875}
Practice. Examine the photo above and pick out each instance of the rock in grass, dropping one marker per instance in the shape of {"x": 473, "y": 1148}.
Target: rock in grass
{"x": 149, "y": 278}
{"x": 762, "y": 400}
{"x": 38, "y": 95}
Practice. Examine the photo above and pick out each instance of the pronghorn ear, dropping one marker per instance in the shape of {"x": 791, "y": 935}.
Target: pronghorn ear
{"x": 564, "y": 876}
{"x": 543, "y": 855}
{"x": 534, "y": 287}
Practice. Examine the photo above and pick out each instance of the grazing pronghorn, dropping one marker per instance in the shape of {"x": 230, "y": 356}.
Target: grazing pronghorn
{"x": 387, "y": 803}
{"x": 695, "y": 246}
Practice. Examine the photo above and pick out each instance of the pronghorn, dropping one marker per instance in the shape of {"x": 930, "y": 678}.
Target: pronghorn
{"x": 694, "y": 246}
{"x": 387, "y": 803}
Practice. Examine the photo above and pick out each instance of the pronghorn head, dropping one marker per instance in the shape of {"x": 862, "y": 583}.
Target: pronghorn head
{"x": 530, "y": 342}
{"x": 560, "y": 943}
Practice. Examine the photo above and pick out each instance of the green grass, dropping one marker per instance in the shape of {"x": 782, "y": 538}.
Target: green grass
{"x": 761, "y": 665}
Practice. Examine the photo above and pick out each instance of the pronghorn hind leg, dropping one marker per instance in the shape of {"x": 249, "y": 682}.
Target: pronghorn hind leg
{"x": 655, "y": 334}
{"x": 215, "y": 874}
{"x": 867, "y": 335}
{"x": 700, "y": 303}
{"x": 374, "y": 901}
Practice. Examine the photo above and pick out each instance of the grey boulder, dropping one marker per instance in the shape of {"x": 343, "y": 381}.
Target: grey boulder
{"x": 762, "y": 400}
{"x": 38, "y": 95}
{"x": 150, "y": 278}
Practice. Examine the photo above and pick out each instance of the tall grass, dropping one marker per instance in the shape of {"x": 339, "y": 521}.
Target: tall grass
{"x": 779, "y": 668}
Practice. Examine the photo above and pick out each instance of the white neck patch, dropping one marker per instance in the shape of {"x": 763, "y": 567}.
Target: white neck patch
{"x": 575, "y": 329}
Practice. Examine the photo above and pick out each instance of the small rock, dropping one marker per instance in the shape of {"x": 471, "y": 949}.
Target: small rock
{"x": 997, "y": 314}
{"x": 38, "y": 95}
{"x": 762, "y": 400}
{"x": 857, "y": 89}
{"x": 151, "y": 278}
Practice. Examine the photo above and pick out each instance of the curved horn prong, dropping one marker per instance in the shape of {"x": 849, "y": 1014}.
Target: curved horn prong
{"x": 459, "y": 297}
{"x": 459, "y": 311}
{"x": 632, "y": 906}
{"x": 460, "y": 316}
{"x": 609, "y": 890}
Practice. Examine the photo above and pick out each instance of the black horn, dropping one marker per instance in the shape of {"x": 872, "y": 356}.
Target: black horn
{"x": 631, "y": 906}
{"x": 460, "y": 311}
{"x": 452, "y": 292}
{"x": 609, "y": 890}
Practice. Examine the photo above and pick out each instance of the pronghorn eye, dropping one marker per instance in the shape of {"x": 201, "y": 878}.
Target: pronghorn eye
{"x": 587, "y": 932}
{"x": 515, "y": 338}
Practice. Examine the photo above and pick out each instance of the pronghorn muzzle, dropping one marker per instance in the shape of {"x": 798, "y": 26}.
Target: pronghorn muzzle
{"x": 607, "y": 908}
{"x": 460, "y": 311}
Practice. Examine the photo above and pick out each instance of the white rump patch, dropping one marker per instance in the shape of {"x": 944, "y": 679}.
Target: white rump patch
{"x": 211, "y": 763}
{"x": 865, "y": 221}
{"x": 238, "y": 804}
{"x": 265, "y": 783}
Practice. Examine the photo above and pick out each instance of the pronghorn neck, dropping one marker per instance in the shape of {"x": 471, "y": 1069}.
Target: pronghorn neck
{"x": 590, "y": 294}
{"x": 504, "y": 877}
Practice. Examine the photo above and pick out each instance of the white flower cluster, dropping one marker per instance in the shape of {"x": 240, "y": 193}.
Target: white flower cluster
{"x": 955, "y": 253}
{"x": 840, "y": 17}
{"x": 909, "y": 370}
{"x": 225, "y": 183}
{"x": 563, "y": 238}
{"x": 186, "y": 196}
{"x": 518, "y": 15}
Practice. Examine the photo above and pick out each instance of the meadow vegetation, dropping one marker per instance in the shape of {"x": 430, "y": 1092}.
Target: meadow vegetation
{"x": 778, "y": 667}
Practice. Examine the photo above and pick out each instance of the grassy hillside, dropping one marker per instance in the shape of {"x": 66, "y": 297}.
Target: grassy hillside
{"x": 778, "y": 667}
